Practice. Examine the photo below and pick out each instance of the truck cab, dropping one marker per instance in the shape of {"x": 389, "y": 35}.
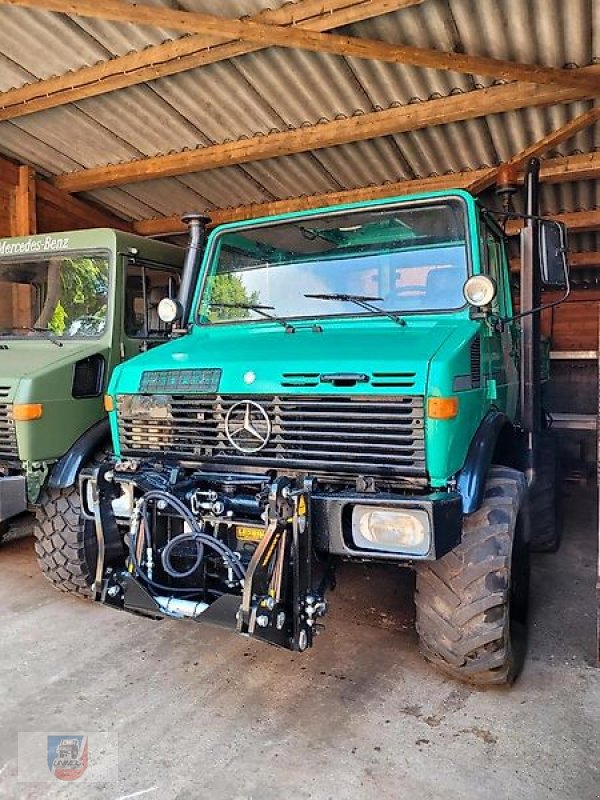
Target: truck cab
{"x": 348, "y": 384}
{"x": 73, "y": 306}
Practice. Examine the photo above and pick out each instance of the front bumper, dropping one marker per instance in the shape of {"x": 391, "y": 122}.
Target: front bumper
{"x": 332, "y": 522}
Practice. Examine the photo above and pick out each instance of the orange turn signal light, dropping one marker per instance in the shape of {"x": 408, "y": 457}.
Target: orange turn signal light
{"x": 442, "y": 407}
{"x": 109, "y": 403}
{"x": 25, "y": 412}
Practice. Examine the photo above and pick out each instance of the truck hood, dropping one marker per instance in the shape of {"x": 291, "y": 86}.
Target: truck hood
{"x": 261, "y": 358}
{"x": 23, "y": 360}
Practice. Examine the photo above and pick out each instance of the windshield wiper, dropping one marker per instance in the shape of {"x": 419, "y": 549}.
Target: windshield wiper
{"x": 51, "y": 335}
{"x": 362, "y": 301}
{"x": 259, "y": 310}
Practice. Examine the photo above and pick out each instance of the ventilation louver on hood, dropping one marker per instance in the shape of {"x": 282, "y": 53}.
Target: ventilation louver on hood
{"x": 300, "y": 379}
{"x": 396, "y": 380}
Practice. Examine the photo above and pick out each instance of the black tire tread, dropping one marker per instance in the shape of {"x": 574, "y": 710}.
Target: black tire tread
{"x": 61, "y": 537}
{"x": 59, "y": 545}
{"x": 462, "y": 599}
{"x": 545, "y": 515}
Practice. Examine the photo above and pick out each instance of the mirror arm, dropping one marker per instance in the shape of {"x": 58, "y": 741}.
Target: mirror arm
{"x": 505, "y": 320}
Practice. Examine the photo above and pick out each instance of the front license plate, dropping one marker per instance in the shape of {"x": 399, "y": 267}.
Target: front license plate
{"x": 247, "y": 534}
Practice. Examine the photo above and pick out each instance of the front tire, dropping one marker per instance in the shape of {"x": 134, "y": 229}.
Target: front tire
{"x": 66, "y": 545}
{"x": 472, "y": 603}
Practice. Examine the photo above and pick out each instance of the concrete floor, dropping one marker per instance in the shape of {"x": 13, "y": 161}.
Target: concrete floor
{"x": 200, "y": 713}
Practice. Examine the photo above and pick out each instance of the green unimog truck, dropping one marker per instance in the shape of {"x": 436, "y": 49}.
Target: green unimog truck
{"x": 73, "y": 305}
{"x": 346, "y": 383}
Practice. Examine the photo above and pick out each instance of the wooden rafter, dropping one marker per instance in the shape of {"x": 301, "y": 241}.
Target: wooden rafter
{"x": 579, "y": 221}
{"x": 578, "y": 167}
{"x": 180, "y": 55}
{"x": 540, "y": 147}
{"x": 295, "y": 37}
{"x": 414, "y": 116}
{"x": 576, "y": 221}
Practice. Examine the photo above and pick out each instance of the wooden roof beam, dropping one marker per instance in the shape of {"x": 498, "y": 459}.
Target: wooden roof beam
{"x": 576, "y": 167}
{"x": 295, "y": 37}
{"x": 180, "y": 55}
{"x": 577, "y": 221}
{"x": 540, "y": 147}
{"x": 469, "y": 105}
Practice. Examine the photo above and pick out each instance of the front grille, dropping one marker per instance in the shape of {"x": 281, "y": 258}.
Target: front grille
{"x": 371, "y": 436}
{"x": 8, "y": 435}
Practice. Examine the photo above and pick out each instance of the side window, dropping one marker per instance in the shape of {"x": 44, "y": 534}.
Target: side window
{"x": 495, "y": 264}
{"x": 145, "y": 287}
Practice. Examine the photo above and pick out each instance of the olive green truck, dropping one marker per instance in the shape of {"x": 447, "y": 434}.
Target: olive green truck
{"x": 73, "y": 305}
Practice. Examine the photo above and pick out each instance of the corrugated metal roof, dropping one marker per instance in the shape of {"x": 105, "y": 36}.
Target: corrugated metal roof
{"x": 277, "y": 89}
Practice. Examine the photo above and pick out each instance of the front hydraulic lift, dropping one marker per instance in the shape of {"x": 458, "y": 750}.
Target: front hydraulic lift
{"x": 277, "y": 603}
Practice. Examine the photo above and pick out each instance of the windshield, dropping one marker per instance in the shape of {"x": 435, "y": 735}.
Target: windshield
{"x": 406, "y": 259}
{"x": 64, "y": 295}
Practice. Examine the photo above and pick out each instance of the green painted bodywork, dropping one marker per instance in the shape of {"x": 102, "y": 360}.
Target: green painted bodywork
{"x": 435, "y": 346}
{"x": 34, "y": 370}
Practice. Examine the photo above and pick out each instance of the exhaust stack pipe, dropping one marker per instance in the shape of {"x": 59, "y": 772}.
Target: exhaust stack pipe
{"x": 177, "y": 311}
{"x": 530, "y": 298}
{"x": 530, "y": 399}
{"x": 197, "y": 228}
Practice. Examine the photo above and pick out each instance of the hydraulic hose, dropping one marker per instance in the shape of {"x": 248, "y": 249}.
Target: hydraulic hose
{"x": 196, "y": 534}
{"x": 168, "y": 549}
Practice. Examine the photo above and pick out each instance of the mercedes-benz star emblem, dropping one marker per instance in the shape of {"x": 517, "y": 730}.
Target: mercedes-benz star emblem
{"x": 247, "y": 426}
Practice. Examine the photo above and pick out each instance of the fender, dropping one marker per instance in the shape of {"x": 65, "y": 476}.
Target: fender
{"x": 66, "y": 469}
{"x": 472, "y": 477}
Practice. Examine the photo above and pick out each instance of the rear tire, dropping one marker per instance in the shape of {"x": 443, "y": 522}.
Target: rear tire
{"x": 472, "y": 603}
{"x": 545, "y": 519}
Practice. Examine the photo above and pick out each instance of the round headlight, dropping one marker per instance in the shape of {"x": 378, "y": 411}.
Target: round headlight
{"x": 479, "y": 290}
{"x": 168, "y": 310}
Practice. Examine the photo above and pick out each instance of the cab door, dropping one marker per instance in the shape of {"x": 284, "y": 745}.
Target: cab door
{"x": 502, "y": 344}
{"x": 144, "y": 287}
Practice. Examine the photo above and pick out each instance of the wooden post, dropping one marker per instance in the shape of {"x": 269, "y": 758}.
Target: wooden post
{"x": 24, "y": 222}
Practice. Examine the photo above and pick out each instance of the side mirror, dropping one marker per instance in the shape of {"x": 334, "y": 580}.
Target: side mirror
{"x": 553, "y": 253}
